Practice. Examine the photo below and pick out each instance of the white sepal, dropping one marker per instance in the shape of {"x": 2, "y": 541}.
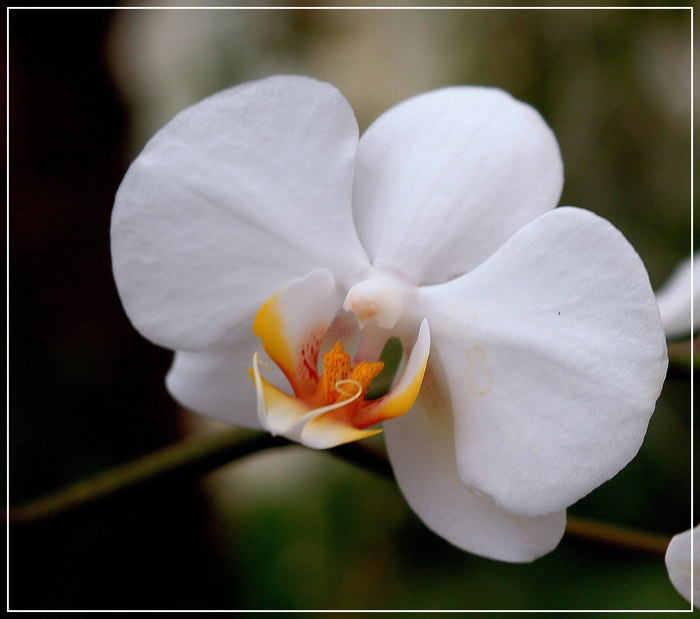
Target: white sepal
{"x": 421, "y": 449}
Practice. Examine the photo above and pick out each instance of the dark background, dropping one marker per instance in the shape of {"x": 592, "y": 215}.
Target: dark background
{"x": 86, "y": 391}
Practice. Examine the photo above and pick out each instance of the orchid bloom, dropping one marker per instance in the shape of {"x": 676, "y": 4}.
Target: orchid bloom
{"x": 674, "y": 299}
{"x": 276, "y": 251}
{"x": 679, "y": 558}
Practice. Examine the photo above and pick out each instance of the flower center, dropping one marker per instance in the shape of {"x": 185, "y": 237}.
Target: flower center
{"x": 329, "y": 406}
{"x": 338, "y": 373}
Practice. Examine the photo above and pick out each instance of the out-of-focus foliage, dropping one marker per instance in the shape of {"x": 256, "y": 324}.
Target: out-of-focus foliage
{"x": 298, "y": 529}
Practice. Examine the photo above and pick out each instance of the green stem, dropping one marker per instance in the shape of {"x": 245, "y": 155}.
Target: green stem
{"x": 189, "y": 458}
{"x": 201, "y": 454}
{"x": 617, "y": 536}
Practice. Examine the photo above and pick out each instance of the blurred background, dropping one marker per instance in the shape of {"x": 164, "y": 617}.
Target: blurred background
{"x": 295, "y": 529}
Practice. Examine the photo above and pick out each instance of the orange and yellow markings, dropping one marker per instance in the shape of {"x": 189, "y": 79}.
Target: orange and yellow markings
{"x": 338, "y": 376}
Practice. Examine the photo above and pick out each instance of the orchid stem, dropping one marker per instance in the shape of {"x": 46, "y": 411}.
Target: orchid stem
{"x": 617, "y": 536}
{"x": 201, "y": 454}
{"x": 191, "y": 458}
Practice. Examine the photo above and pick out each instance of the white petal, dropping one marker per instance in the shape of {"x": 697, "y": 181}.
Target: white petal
{"x": 444, "y": 178}
{"x": 674, "y": 299}
{"x": 215, "y": 382}
{"x": 554, "y": 356}
{"x": 422, "y": 453}
{"x": 679, "y": 558}
{"x": 229, "y": 201}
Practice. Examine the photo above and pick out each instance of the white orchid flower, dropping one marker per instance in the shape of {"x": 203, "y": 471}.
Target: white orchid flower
{"x": 674, "y": 299}
{"x": 679, "y": 558}
{"x": 258, "y": 219}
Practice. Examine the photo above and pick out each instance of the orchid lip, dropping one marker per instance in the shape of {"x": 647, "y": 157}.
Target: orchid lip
{"x": 323, "y": 411}
{"x": 304, "y": 419}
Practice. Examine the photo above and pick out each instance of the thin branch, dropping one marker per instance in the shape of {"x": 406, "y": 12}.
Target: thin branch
{"x": 189, "y": 458}
{"x": 616, "y": 536}
{"x": 204, "y": 453}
